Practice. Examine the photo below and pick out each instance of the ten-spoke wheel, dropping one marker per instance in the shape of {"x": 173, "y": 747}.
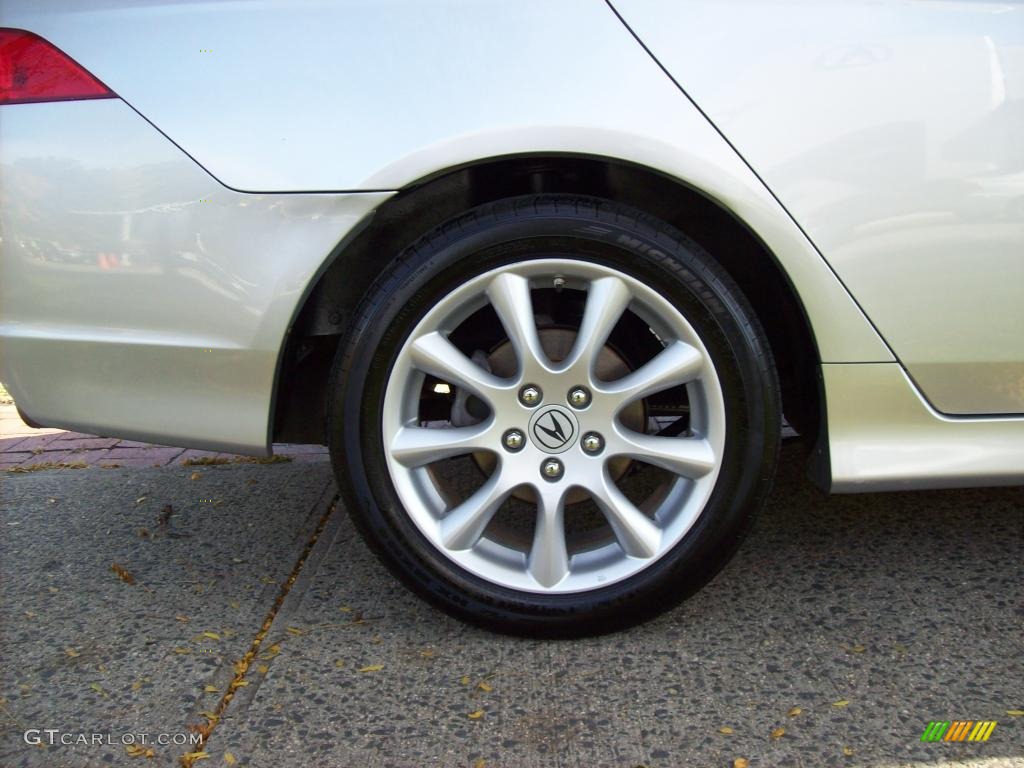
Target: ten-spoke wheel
{"x": 577, "y": 431}
{"x": 555, "y": 417}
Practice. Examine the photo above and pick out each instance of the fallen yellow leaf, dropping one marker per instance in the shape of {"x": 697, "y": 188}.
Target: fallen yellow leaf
{"x": 239, "y": 683}
{"x": 229, "y": 758}
{"x": 122, "y": 574}
{"x": 481, "y": 763}
{"x": 272, "y": 651}
{"x": 741, "y": 762}
{"x": 345, "y": 609}
{"x": 137, "y": 750}
{"x": 778, "y": 733}
{"x": 848, "y": 751}
{"x": 195, "y": 476}
{"x": 484, "y": 686}
{"x": 339, "y": 663}
{"x": 182, "y": 650}
{"x": 72, "y": 653}
{"x": 726, "y": 730}
{"x": 191, "y": 757}
{"x": 210, "y": 635}
{"x": 295, "y": 631}
{"x": 794, "y": 711}
{"x": 1015, "y": 712}
{"x": 476, "y": 715}
{"x": 857, "y": 648}
{"x": 840, "y": 703}
{"x": 464, "y": 680}
{"x": 263, "y": 669}
{"x": 372, "y": 668}
{"x": 136, "y": 685}
{"x": 428, "y": 653}
{"x": 211, "y": 689}
{"x": 99, "y": 689}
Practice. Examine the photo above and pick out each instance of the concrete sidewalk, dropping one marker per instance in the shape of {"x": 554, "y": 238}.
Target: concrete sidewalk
{"x": 129, "y": 596}
{"x": 23, "y": 448}
{"x": 840, "y": 630}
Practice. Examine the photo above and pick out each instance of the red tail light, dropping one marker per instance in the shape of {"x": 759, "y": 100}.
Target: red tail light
{"x": 33, "y": 70}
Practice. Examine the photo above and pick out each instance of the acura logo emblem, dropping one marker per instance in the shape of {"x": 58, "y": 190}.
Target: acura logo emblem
{"x": 553, "y": 429}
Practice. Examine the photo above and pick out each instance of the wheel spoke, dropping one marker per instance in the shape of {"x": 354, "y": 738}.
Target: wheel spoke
{"x": 637, "y": 534}
{"x": 677, "y": 364}
{"x": 418, "y": 446}
{"x": 436, "y": 355}
{"x": 463, "y": 526}
{"x": 510, "y": 297}
{"x": 548, "y": 561}
{"x": 691, "y": 457}
{"x": 607, "y": 299}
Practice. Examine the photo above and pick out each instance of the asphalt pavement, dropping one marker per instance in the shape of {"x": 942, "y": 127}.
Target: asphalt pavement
{"x": 236, "y": 599}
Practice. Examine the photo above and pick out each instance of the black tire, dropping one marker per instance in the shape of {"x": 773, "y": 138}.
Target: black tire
{"x": 509, "y": 231}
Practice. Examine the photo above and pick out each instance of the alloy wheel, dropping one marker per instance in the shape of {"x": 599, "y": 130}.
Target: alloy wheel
{"x": 548, "y": 430}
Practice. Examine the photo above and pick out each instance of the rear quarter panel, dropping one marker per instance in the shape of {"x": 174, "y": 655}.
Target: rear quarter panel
{"x": 894, "y": 134}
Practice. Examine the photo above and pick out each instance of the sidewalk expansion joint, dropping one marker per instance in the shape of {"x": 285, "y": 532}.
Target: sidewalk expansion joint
{"x": 241, "y": 666}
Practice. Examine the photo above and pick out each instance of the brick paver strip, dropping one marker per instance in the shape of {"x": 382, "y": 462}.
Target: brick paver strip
{"x": 36, "y": 441}
{"x": 77, "y": 443}
{"x": 20, "y": 445}
{"x": 50, "y": 456}
{"x": 9, "y": 444}
{"x": 13, "y": 459}
{"x": 90, "y": 457}
{"x": 141, "y": 453}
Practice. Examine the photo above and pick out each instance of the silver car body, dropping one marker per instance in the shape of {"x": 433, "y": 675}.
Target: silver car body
{"x": 157, "y": 247}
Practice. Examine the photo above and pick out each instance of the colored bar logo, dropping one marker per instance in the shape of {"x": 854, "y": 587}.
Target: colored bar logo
{"x": 959, "y": 730}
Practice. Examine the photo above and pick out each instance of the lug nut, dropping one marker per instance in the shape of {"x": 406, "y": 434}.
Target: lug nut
{"x": 513, "y": 440}
{"x": 592, "y": 443}
{"x": 529, "y": 396}
{"x": 579, "y": 397}
{"x": 551, "y": 469}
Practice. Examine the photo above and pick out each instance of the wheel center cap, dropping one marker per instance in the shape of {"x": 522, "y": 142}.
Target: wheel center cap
{"x": 553, "y": 429}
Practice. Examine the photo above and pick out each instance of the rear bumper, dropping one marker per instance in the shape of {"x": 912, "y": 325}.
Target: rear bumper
{"x": 139, "y": 298}
{"x": 884, "y": 436}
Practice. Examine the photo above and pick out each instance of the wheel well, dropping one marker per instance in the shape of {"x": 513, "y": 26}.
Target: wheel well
{"x": 304, "y": 366}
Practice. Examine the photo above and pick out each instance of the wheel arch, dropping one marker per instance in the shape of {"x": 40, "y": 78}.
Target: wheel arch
{"x": 350, "y": 270}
